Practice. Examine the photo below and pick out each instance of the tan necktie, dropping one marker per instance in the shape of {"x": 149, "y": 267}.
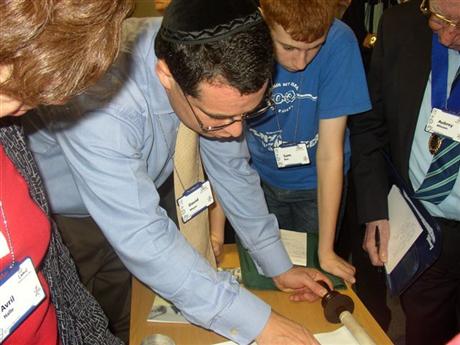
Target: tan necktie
{"x": 188, "y": 171}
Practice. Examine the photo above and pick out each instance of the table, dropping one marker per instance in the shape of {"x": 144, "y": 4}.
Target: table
{"x": 307, "y": 314}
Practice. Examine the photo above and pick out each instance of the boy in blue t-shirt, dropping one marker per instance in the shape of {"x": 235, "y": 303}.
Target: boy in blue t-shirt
{"x": 301, "y": 148}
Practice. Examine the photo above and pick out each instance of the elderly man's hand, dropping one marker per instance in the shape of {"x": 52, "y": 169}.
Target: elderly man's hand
{"x": 377, "y": 250}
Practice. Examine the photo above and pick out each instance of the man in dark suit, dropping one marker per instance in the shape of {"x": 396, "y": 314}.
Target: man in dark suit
{"x": 404, "y": 90}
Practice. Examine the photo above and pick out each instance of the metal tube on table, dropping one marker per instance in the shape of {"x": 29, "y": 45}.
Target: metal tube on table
{"x": 355, "y": 328}
{"x": 338, "y": 308}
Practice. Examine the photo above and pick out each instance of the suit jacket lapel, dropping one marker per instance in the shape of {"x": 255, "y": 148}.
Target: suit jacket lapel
{"x": 415, "y": 71}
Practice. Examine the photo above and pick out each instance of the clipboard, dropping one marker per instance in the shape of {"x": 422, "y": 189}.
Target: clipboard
{"x": 424, "y": 251}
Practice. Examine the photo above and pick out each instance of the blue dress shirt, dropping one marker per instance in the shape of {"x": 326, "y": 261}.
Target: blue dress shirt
{"x": 420, "y": 157}
{"x": 105, "y": 154}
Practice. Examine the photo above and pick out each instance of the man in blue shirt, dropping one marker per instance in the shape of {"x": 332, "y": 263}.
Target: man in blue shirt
{"x": 114, "y": 149}
{"x": 301, "y": 148}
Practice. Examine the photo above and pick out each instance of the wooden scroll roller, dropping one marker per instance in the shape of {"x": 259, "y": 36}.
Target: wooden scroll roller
{"x": 339, "y": 308}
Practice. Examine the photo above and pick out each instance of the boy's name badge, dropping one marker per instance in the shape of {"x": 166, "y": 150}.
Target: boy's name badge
{"x": 445, "y": 124}
{"x": 20, "y": 293}
{"x": 194, "y": 200}
{"x": 288, "y": 155}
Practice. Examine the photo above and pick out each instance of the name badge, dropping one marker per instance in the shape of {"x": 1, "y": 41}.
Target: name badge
{"x": 20, "y": 294}
{"x": 445, "y": 124}
{"x": 195, "y": 200}
{"x": 288, "y": 155}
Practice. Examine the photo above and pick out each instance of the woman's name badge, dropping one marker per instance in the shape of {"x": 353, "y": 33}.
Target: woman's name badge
{"x": 194, "y": 200}
{"x": 445, "y": 124}
{"x": 20, "y": 293}
{"x": 288, "y": 155}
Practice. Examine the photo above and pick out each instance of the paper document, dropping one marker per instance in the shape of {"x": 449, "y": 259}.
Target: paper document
{"x": 164, "y": 311}
{"x": 232, "y": 343}
{"x": 404, "y": 228}
{"x": 296, "y": 246}
{"x": 340, "y": 336}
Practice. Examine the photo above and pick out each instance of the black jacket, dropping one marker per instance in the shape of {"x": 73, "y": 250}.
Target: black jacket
{"x": 399, "y": 71}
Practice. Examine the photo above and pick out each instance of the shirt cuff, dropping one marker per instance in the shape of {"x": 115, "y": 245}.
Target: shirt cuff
{"x": 273, "y": 259}
{"x": 244, "y": 319}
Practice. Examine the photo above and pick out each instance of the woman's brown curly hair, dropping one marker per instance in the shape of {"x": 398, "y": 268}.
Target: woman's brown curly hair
{"x": 57, "y": 48}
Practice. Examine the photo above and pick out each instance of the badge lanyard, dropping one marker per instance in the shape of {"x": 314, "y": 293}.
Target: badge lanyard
{"x": 297, "y": 115}
{"x": 196, "y": 198}
{"x": 20, "y": 288}
{"x": 197, "y": 170}
{"x": 8, "y": 237}
{"x": 171, "y": 154}
{"x": 292, "y": 153}
{"x": 4, "y": 227}
{"x": 439, "y": 98}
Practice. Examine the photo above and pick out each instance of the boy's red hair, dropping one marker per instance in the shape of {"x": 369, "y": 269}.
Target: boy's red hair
{"x": 303, "y": 20}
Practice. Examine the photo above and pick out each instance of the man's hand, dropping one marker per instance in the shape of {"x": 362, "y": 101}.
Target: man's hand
{"x": 280, "y": 330}
{"x": 376, "y": 241}
{"x": 302, "y": 282}
{"x": 334, "y": 264}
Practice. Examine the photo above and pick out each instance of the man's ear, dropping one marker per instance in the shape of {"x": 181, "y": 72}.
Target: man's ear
{"x": 261, "y": 12}
{"x": 164, "y": 74}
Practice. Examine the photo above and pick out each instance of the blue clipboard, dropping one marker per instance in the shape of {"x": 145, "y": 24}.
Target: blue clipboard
{"x": 425, "y": 250}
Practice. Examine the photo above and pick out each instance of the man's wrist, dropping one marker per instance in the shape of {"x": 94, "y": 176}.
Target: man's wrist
{"x": 273, "y": 260}
{"x": 244, "y": 319}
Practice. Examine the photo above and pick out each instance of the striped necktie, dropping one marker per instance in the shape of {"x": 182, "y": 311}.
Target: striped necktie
{"x": 187, "y": 172}
{"x": 443, "y": 171}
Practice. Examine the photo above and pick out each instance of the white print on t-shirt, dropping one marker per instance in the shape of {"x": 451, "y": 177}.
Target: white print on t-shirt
{"x": 288, "y": 98}
{"x": 284, "y": 103}
{"x": 284, "y": 100}
{"x": 271, "y": 140}
{"x": 4, "y": 249}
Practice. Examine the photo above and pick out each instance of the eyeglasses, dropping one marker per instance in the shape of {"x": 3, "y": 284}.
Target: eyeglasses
{"x": 263, "y": 106}
{"x": 425, "y": 9}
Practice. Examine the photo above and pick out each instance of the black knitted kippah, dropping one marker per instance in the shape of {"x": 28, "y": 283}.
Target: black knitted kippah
{"x": 202, "y": 21}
